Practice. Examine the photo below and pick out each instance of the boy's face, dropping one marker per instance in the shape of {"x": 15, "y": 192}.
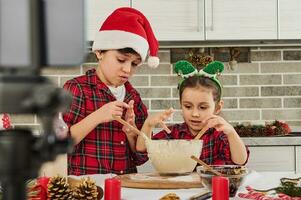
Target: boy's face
{"x": 197, "y": 104}
{"x": 116, "y": 68}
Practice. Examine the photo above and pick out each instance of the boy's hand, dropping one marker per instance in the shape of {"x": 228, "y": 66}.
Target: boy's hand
{"x": 159, "y": 117}
{"x": 129, "y": 117}
{"x": 113, "y": 108}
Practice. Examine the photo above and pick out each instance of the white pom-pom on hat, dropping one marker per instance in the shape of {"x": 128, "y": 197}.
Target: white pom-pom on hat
{"x": 153, "y": 61}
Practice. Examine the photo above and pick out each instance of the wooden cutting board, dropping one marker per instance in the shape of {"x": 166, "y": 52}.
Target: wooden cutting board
{"x": 156, "y": 181}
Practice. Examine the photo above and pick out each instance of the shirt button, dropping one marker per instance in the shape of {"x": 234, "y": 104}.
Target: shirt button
{"x": 121, "y": 142}
{"x": 121, "y": 172}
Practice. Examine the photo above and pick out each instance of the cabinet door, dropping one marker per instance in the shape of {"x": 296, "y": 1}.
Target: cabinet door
{"x": 174, "y": 20}
{"x": 289, "y": 19}
{"x": 281, "y": 158}
{"x": 241, "y": 19}
{"x": 97, "y": 11}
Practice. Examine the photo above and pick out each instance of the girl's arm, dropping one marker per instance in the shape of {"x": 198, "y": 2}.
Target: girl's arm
{"x": 148, "y": 126}
{"x": 238, "y": 149}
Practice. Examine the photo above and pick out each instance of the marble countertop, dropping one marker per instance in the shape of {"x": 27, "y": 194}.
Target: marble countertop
{"x": 273, "y": 141}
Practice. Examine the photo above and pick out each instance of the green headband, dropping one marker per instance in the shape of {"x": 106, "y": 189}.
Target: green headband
{"x": 185, "y": 69}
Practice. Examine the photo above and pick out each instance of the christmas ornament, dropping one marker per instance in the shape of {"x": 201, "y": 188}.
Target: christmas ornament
{"x": 5, "y": 121}
{"x": 87, "y": 189}
{"x": 59, "y": 189}
{"x": 37, "y": 188}
{"x": 60, "y": 127}
{"x": 198, "y": 58}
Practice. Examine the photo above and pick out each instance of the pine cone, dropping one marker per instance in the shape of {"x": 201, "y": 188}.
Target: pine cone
{"x": 58, "y": 188}
{"x": 87, "y": 189}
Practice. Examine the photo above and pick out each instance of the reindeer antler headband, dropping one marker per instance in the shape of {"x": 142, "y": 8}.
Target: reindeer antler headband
{"x": 185, "y": 69}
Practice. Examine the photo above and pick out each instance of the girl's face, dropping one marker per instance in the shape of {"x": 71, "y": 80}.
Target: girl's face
{"x": 115, "y": 68}
{"x": 197, "y": 104}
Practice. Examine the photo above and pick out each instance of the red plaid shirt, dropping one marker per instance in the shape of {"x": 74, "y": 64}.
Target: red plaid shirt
{"x": 216, "y": 149}
{"x": 105, "y": 149}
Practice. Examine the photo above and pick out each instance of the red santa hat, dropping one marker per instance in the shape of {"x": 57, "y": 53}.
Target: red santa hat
{"x": 128, "y": 28}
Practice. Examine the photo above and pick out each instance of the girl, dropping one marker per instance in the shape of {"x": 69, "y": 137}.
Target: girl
{"x": 101, "y": 144}
{"x": 200, "y": 98}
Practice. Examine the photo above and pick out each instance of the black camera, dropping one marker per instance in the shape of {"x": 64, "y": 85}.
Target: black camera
{"x": 35, "y": 34}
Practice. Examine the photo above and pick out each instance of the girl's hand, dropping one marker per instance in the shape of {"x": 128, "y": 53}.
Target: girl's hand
{"x": 113, "y": 108}
{"x": 159, "y": 117}
{"x": 219, "y": 123}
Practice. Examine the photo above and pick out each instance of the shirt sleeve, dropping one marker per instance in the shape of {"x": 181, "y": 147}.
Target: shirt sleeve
{"x": 140, "y": 112}
{"x": 139, "y": 158}
{"x": 224, "y": 155}
{"x": 76, "y": 111}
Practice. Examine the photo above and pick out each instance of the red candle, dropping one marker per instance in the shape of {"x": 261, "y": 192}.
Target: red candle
{"x": 112, "y": 189}
{"x": 220, "y": 188}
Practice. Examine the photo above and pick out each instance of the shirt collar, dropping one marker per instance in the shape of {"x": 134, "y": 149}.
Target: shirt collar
{"x": 94, "y": 80}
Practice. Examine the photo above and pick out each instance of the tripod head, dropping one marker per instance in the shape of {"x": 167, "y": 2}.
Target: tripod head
{"x": 43, "y": 38}
{"x": 22, "y": 153}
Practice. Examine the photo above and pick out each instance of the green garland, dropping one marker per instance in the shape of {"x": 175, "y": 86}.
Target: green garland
{"x": 288, "y": 186}
{"x": 275, "y": 128}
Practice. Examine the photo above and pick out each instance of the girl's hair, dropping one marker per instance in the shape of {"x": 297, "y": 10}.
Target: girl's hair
{"x": 196, "y": 81}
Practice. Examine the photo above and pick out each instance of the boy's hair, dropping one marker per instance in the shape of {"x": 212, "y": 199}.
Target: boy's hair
{"x": 123, "y": 51}
{"x": 128, "y": 50}
{"x": 200, "y": 81}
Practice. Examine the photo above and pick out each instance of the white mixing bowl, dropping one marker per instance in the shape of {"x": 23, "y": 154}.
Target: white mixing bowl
{"x": 173, "y": 156}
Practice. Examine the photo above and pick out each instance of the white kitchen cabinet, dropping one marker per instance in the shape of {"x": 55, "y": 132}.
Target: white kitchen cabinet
{"x": 97, "y": 11}
{"x": 174, "y": 20}
{"x": 241, "y": 19}
{"x": 274, "y": 158}
{"x": 289, "y": 19}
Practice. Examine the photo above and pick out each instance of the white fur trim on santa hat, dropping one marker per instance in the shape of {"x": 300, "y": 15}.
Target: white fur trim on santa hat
{"x": 116, "y": 39}
{"x": 153, "y": 61}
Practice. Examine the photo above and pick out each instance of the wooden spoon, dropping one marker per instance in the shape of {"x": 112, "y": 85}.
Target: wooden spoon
{"x": 125, "y": 123}
{"x": 199, "y": 135}
{"x": 206, "y": 166}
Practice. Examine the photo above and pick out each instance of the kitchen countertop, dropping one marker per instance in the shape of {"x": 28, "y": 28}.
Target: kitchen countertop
{"x": 273, "y": 141}
{"x": 262, "y": 180}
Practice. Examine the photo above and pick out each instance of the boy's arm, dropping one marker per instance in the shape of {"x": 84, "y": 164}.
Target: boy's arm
{"x": 104, "y": 114}
{"x": 147, "y": 129}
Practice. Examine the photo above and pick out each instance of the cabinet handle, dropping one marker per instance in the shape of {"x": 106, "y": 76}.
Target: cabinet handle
{"x": 200, "y": 16}
{"x": 209, "y": 15}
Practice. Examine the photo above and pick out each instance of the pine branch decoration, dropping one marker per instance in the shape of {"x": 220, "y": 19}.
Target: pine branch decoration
{"x": 275, "y": 128}
{"x": 199, "y": 60}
